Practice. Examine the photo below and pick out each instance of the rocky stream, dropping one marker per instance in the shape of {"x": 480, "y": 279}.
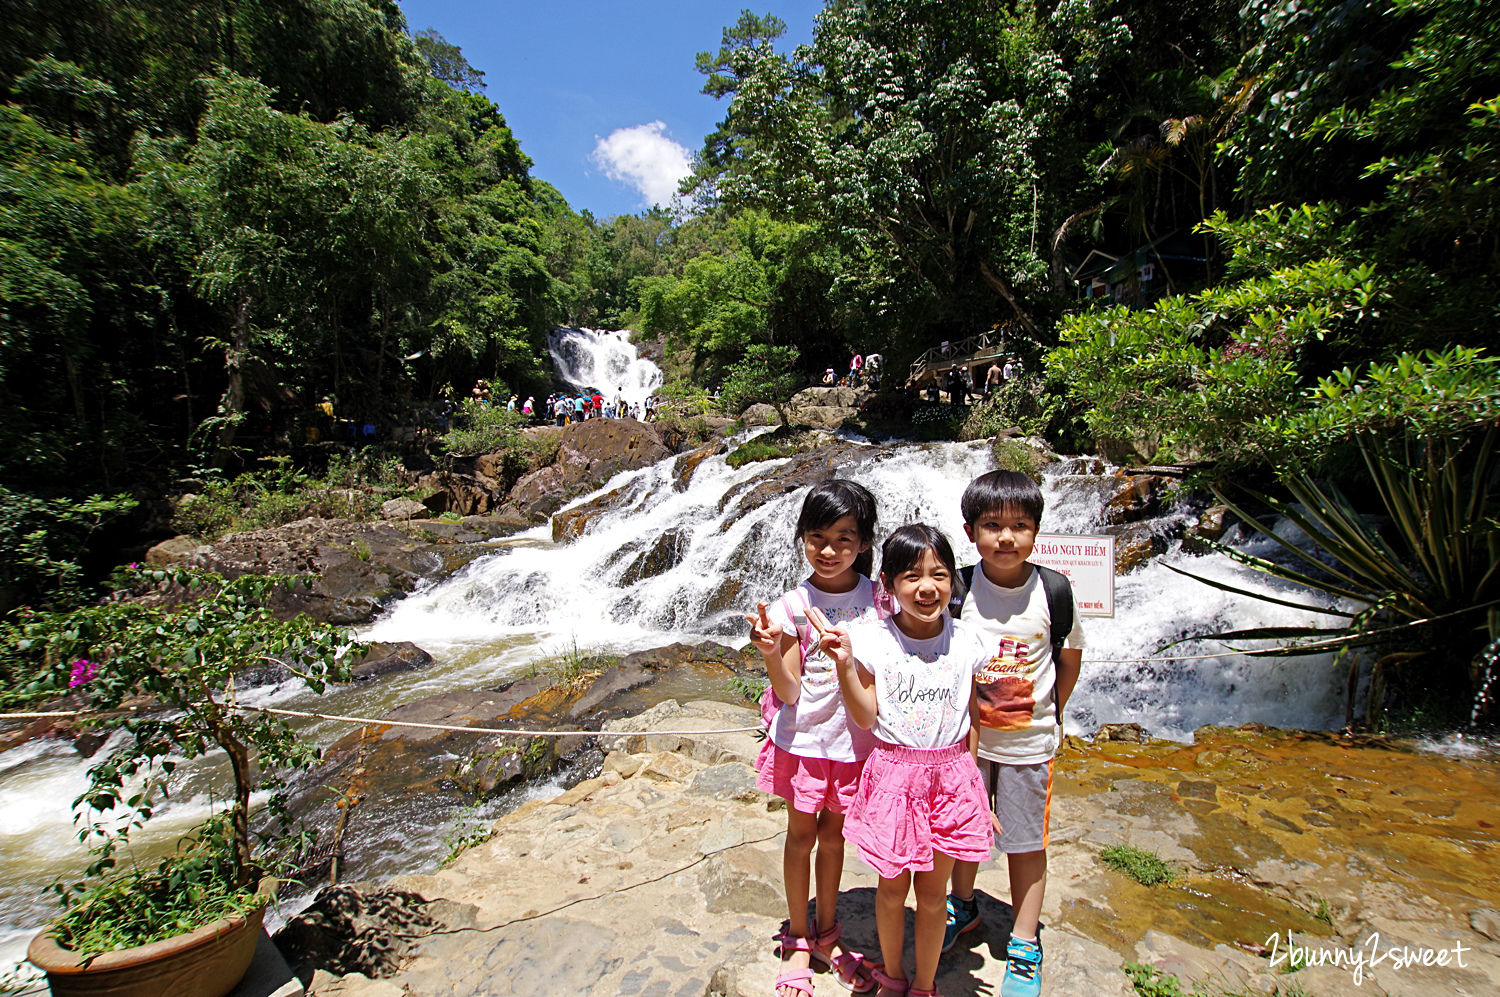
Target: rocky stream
{"x": 603, "y": 595}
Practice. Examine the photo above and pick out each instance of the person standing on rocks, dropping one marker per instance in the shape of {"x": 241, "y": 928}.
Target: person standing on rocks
{"x": 920, "y": 806}
{"x": 813, "y": 755}
{"x": 1034, "y": 642}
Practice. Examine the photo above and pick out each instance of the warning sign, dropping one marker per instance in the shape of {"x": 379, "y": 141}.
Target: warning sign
{"x": 1089, "y": 563}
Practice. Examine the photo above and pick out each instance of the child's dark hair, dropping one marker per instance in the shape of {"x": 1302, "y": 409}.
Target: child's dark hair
{"x": 833, "y": 500}
{"x": 904, "y": 548}
{"x": 997, "y": 491}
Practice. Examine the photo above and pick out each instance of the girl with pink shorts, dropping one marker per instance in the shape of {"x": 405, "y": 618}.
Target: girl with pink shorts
{"x": 813, "y": 755}
{"x": 920, "y": 805}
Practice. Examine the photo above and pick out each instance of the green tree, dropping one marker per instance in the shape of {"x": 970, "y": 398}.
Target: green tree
{"x": 446, "y": 61}
{"x": 935, "y": 138}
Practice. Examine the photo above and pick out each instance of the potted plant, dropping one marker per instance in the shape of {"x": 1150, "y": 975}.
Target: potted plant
{"x": 160, "y": 666}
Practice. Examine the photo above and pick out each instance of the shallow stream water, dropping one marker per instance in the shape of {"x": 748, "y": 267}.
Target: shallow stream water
{"x": 532, "y": 597}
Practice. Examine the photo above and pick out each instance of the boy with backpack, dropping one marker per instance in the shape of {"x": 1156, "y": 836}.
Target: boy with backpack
{"x": 1027, "y": 615}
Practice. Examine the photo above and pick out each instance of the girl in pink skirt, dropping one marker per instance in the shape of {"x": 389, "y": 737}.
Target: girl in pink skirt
{"x": 813, "y": 754}
{"x": 920, "y": 805}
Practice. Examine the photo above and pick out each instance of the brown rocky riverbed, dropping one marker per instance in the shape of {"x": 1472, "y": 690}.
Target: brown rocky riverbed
{"x": 661, "y": 875}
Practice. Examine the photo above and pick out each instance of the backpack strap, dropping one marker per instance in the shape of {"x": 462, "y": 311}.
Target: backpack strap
{"x": 1059, "y": 606}
{"x": 803, "y": 641}
{"x": 961, "y": 590}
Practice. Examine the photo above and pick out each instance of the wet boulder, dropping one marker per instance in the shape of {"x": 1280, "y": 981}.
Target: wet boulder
{"x": 661, "y": 555}
{"x": 353, "y": 568}
{"x": 1137, "y": 497}
{"x": 590, "y": 453}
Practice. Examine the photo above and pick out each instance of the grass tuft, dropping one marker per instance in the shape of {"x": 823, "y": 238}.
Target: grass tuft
{"x": 1142, "y": 866}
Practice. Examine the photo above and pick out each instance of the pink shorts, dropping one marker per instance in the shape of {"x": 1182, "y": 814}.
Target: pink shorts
{"x": 915, "y": 801}
{"x": 809, "y": 785}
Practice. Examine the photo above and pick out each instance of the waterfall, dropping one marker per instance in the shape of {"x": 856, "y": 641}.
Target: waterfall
{"x": 664, "y": 559}
{"x": 604, "y": 359}
{"x": 662, "y": 563}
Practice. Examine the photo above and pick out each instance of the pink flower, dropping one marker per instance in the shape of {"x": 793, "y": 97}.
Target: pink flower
{"x": 83, "y": 671}
{"x": 134, "y": 565}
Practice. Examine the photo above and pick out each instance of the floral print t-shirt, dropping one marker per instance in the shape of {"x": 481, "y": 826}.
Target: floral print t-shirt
{"x": 922, "y": 687}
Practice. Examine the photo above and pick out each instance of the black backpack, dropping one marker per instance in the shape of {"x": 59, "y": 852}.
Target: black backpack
{"x": 1059, "y": 602}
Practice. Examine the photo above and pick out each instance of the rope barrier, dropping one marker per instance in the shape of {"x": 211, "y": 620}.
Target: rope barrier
{"x": 1311, "y": 646}
{"x": 492, "y": 730}
{"x": 517, "y": 731}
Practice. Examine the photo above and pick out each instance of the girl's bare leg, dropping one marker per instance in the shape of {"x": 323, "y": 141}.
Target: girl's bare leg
{"x": 890, "y": 922}
{"x": 932, "y": 917}
{"x": 796, "y": 873}
{"x": 829, "y": 867}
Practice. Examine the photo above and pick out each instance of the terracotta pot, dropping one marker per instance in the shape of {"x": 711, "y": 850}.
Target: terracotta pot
{"x": 208, "y": 962}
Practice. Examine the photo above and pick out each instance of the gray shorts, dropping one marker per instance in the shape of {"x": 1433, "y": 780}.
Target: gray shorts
{"x": 1021, "y": 796}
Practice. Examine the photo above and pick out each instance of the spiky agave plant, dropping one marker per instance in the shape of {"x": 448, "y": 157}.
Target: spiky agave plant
{"x": 1421, "y": 582}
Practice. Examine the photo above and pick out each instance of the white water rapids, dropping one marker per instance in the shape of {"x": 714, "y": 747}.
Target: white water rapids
{"x": 667, "y": 562}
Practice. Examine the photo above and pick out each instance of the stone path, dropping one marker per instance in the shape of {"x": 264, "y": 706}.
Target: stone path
{"x": 661, "y": 878}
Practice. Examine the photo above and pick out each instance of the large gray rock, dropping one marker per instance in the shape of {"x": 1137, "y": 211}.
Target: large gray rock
{"x": 355, "y": 568}
{"x": 402, "y": 508}
{"x": 591, "y": 453}
{"x": 172, "y": 551}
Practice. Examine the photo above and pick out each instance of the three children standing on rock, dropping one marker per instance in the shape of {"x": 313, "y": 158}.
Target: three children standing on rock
{"x": 877, "y": 718}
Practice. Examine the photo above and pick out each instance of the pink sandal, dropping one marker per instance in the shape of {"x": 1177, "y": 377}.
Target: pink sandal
{"x": 897, "y": 987}
{"x": 846, "y": 966}
{"x": 797, "y": 979}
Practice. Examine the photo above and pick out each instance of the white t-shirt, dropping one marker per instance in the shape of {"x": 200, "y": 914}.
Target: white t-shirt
{"x": 1017, "y": 708}
{"x": 817, "y": 725}
{"x": 922, "y": 687}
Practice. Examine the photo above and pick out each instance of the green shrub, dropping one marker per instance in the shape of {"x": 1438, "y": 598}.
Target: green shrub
{"x": 749, "y": 686}
{"x": 1022, "y": 403}
{"x": 45, "y": 543}
{"x": 184, "y": 891}
{"x": 1192, "y": 377}
{"x": 479, "y": 428}
{"x": 1013, "y": 455}
{"x": 684, "y": 399}
{"x": 769, "y": 374}
{"x": 760, "y": 448}
{"x": 1142, "y": 866}
{"x": 353, "y": 487}
{"x": 1149, "y": 981}
{"x": 1421, "y": 584}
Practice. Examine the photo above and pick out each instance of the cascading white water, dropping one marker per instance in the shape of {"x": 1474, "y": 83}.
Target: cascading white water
{"x": 711, "y": 563}
{"x": 665, "y": 563}
{"x": 589, "y": 359}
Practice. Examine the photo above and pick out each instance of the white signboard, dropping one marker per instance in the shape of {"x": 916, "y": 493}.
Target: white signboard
{"x": 1089, "y": 563}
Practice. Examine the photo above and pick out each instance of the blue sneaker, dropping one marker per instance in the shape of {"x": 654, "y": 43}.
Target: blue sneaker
{"x": 963, "y": 915}
{"x": 1023, "y": 969}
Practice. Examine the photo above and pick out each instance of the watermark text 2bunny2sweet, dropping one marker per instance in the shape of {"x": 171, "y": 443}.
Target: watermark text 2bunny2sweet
{"x": 1366, "y": 956}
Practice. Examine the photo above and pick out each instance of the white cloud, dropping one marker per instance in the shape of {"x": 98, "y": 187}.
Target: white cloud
{"x": 646, "y": 159}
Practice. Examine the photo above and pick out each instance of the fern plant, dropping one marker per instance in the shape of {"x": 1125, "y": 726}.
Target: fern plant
{"x": 1419, "y": 585}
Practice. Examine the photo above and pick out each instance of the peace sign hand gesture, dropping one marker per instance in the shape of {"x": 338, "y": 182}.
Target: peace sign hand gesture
{"x": 833, "y": 640}
{"x": 764, "y": 633}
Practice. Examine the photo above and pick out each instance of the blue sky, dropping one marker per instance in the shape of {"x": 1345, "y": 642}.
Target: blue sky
{"x": 602, "y": 94}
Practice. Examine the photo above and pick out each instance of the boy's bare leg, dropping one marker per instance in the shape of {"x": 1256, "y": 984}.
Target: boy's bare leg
{"x": 1028, "y": 881}
{"x": 932, "y": 917}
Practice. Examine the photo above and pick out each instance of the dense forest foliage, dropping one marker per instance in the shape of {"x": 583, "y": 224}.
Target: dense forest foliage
{"x": 1249, "y": 234}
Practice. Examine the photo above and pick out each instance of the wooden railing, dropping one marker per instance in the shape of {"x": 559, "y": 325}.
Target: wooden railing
{"x": 988, "y": 345}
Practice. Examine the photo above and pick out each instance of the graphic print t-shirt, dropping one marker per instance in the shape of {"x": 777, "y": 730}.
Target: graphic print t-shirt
{"x": 816, "y": 725}
{"x": 921, "y": 686}
{"x": 1017, "y": 709}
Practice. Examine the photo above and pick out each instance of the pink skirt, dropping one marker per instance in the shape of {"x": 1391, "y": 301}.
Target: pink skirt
{"x": 913, "y": 802}
{"x": 809, "y": 785}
